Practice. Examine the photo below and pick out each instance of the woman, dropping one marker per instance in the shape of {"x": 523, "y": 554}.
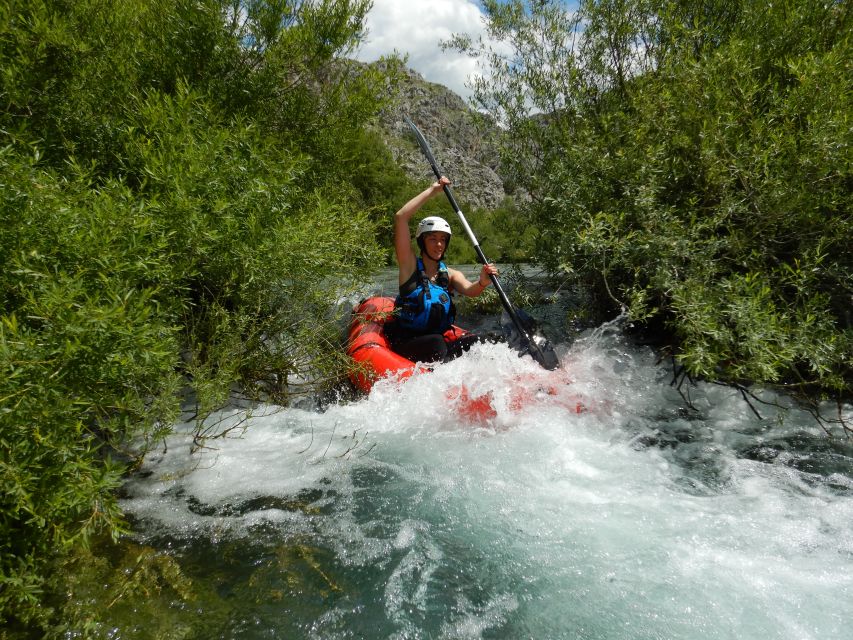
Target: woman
{"x": 425, "y": 307}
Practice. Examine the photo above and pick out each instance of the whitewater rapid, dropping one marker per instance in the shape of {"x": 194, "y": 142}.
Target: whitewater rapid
{"x": 603, "y": 506}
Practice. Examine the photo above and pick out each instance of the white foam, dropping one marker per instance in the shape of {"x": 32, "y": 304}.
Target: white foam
{"x": 540, "y": 511}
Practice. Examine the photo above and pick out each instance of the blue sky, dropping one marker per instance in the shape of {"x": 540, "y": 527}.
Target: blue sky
{"x": 416, "y": 27}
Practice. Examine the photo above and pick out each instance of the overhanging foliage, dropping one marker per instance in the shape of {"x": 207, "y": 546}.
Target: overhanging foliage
{"x": 691, "y": 162}
{"x": 181, "y": 202}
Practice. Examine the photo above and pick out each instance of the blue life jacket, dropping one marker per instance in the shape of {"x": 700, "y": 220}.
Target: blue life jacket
{"x": 424, "y": 306}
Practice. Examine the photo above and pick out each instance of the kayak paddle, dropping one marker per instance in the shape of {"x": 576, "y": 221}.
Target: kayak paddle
{"x": 523, "y": 338}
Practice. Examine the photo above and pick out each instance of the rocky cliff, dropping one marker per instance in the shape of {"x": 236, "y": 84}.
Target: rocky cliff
{"x": 461, "y": 149}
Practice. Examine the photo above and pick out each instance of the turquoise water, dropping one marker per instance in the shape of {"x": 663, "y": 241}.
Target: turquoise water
{"x": 643, "y": 516}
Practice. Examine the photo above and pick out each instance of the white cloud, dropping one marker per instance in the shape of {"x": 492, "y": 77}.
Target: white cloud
{"x": 416, "y": 28}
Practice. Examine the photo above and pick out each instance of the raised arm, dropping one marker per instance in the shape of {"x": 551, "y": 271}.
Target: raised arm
{"x": 406, "y": 259}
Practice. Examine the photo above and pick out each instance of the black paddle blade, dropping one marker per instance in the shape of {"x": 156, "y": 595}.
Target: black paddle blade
{"x": 531, "y": 342}
{"x": 425, "y": 148}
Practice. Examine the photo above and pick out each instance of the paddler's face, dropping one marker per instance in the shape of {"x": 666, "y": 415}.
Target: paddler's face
{"x": 435, "y": 243}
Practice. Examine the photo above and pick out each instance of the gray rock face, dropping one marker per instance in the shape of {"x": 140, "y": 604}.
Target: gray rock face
{"x": 460, "y": 147}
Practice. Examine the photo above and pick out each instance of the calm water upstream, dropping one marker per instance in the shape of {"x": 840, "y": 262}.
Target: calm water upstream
{"x": 638, "y": 518}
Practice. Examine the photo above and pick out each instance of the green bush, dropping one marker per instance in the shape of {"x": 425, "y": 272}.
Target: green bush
{"x": 174, "y": 223}
{"x": 88, "y": 359}
{"x": 692, "y": 165}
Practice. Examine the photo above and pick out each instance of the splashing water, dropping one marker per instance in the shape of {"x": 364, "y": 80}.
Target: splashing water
{"x": 598, "y": 503}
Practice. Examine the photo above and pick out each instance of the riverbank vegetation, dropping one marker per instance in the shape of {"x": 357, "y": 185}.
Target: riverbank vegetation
{"x": 183, "y": 182}
{"x": 180, "y": 182}
{"x": 690, "y": 162}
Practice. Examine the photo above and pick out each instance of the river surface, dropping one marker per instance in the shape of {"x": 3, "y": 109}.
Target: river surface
{"x": 599, "y": 502}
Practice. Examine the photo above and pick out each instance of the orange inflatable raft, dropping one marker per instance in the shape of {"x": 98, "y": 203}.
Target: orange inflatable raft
{"x": 370, "y": 348}
{"x": 374, "y": 359}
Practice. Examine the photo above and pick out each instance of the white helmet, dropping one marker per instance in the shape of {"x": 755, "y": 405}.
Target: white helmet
{"x": 433, "y": 223}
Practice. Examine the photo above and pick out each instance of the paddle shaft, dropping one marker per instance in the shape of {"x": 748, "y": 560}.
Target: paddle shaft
{"x": 482, "y": 257}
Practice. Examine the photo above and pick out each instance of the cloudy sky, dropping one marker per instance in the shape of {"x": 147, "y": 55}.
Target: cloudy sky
{"x": 416, "y": 27}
